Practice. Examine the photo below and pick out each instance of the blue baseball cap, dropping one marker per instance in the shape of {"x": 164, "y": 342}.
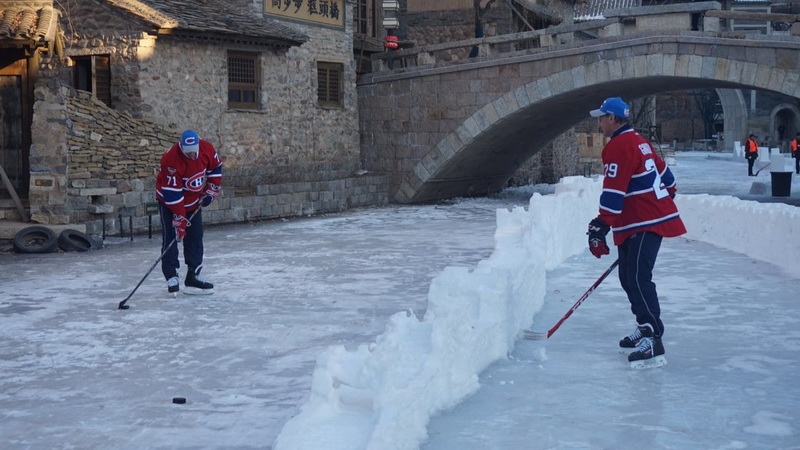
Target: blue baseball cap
{"x": 190, "y": 143}
{"x": 613, "y": 105}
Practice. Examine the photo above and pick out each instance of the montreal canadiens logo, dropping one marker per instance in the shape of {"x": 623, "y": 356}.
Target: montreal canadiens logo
{"x": 189, "y": 141}
{"x": 196, "y": 182}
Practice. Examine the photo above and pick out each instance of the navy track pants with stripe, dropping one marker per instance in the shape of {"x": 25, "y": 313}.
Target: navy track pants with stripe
{"x": 637, "y": 257}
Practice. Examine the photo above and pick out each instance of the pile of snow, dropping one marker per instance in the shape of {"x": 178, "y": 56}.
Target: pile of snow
{"x": 764, "y": 231}
{"x": 382, "y": 395}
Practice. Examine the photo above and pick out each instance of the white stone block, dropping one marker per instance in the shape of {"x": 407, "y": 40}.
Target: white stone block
{"x": 779, "y": 162}
{"x": 738, "y": 151}
{"x": 763, "y": 154}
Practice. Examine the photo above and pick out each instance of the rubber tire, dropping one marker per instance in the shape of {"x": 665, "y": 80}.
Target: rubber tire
{"x": 35, "y": 239}
{"x": 75, "y": 241}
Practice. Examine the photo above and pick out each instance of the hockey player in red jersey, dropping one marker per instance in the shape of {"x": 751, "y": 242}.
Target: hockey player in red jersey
{"x": 190, "y": 177}
{"x": 636, "y": 205}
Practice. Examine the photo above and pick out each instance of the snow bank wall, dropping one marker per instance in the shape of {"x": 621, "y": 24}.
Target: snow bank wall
{"x": 764, "y": 231}
{"x": 382, "y": 395}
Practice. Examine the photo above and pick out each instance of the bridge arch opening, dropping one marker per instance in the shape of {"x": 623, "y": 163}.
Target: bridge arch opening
{"x": 784, "y": 123}
{"x": 487, "y": 148}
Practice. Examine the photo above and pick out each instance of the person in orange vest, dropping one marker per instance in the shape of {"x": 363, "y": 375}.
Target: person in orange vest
{"x": 751, "y": 153}
{"x": 796, "y": 153}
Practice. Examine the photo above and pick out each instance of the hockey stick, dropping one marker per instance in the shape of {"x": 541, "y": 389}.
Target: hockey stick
{"x": 534, "y": 335}
{"x": 122, "y": 304}
{"x": 759, "y": 170}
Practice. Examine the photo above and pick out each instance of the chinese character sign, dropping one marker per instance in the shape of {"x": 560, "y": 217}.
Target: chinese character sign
{"x": 325, "y": 12}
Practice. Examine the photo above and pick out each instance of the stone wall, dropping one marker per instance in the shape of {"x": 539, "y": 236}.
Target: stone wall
{"x": 49, "y": 155}
{"x": 556, "y": 160}
{"x": 113, "y": 160}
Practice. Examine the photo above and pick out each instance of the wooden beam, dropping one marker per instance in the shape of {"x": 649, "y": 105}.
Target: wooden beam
{"x": 13, "y": 193}
{"x": 521, "y": 17}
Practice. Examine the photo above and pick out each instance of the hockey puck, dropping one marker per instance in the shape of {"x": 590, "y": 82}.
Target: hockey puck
{"x": 179, "y": 400}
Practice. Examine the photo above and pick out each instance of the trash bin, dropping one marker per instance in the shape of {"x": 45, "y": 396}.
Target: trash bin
{"x": 781, "y": 184}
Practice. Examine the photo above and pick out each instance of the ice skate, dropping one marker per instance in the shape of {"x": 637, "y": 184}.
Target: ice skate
{"x": 173, "y": 286}
{"x": 649, "y": 354}
{"x": 195, "y": 284}
{"x": 630, "y": 341}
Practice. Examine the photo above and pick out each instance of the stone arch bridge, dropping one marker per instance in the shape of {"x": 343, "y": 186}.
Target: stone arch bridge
{"x": 463, "y": 129}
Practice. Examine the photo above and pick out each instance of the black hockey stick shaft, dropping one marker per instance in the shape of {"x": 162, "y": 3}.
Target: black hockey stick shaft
{"x": 759, "y": 170}
{"x": 580, "y": 300}
{"x": 175, "y": 239}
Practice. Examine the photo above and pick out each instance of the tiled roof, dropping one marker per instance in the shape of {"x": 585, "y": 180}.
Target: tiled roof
{"x": 593, "y": 9}
{"x": 209, "y": 16}
{"x": 31, "y": 21}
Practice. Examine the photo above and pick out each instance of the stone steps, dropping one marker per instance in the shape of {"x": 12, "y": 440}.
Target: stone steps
{"x": 9, "y": 214}
{"x": 8, "y": 209}
{"x": 11, "y": 221}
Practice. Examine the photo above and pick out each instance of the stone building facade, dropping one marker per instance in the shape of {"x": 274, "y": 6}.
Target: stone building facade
{"x": 94, "y": 162}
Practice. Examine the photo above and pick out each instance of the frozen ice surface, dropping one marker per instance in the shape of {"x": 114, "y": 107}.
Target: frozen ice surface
{"x": 406, "y": 318}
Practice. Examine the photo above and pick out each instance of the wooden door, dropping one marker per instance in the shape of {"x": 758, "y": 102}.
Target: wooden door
{"x": 13, "y": 137}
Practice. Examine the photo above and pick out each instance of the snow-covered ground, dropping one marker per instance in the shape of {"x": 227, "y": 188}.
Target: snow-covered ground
{"x": 408, "y": 313}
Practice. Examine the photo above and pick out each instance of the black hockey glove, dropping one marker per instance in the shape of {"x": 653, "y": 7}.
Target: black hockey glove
{"x": 597, "y": 238}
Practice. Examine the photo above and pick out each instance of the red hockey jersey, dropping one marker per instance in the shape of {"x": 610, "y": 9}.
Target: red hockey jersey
{"x": 637, "y": 189}
{"x": 181, "y": 182}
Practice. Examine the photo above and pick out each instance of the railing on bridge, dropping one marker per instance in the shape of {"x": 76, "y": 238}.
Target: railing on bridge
{"x": 705, "y": 17}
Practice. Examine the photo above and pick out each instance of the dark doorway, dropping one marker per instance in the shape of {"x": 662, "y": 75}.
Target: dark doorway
{"x": 14, "y": 127}
{"x": 785, "y": 126}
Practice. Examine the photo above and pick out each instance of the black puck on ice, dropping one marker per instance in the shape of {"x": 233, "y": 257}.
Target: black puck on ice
{"x": 179, "y": 400}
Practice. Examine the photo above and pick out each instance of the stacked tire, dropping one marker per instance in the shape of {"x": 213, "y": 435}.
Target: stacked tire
{"x": 75, "y": 241}
{"x": 41, "y": 239}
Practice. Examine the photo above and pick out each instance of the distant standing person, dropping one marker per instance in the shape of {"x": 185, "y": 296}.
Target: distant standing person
{"x": 190, "y": 176}
{"x": 636, "y": 205}
{"x": 751, "y": 153}
{"x": 796, "y": 153}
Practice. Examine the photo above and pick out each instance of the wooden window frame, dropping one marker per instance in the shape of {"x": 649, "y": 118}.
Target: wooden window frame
{"x": 242, "y": 86}
{"x": 366, "y": 18}
{"x": 92, "y": 73}
{"x": 361, "y": 18}
{"x": 328, "y": 74}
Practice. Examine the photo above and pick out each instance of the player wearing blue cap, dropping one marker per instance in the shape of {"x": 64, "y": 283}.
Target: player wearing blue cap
{"x": 190, "y": 176}
{"x": 636, "y": 205}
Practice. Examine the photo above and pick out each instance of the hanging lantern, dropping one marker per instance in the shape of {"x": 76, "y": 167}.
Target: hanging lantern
{"x": 391, "y": 42}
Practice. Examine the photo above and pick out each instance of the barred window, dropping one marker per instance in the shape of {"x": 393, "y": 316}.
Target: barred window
{"x": 93, "y": 74}
{"x": 243, "y": 80}
{"x": 329, "y": 84}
